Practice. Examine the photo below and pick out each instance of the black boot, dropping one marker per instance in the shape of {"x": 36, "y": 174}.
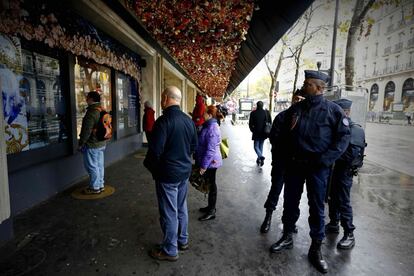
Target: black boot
{"x": 316, "y": 258}
{"x": 208, "y": 216}
{"x": 332, "y": 228}
{"x": 347, "y": 242}
{"x": 267, "y": 222}
{"x": 262, "y": 161}
{"x": 285, "y": 242}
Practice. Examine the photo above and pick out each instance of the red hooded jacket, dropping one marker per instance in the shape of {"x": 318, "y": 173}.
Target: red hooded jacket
{"x": 198, "y": 112}
{"x": 149, "y": 119}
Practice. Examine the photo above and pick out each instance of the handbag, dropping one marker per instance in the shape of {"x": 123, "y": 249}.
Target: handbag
{"x": 199, "y": 181}
{"x": 268, "y": 126}
{"x": 224, "y": 148}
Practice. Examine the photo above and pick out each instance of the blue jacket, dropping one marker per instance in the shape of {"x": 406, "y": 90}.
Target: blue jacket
{"x": 316, "y": 130}
{"x": 174, "y": 141}
{"x": 208, "y": 149}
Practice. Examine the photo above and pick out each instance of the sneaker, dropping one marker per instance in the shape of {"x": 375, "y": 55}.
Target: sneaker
{"x": 160, "y": 255}
{"x": 204, "y": 209}
{"x": 183, "y": 247}
{"x": 262, "y": 161}
{"x": 89, "y": 191}
{"x": 102, "y": 189}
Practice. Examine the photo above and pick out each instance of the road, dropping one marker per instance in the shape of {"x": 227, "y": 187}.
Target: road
{"x": 391, "y": 146}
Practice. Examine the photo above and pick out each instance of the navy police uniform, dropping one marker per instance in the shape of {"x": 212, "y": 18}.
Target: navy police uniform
{"x": 317, "y": 133}
{"x": 340, "y": 203}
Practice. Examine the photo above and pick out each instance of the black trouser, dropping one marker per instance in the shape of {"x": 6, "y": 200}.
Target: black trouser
{"x": 340, "y": 203}
{"x": 277, "y": 174}
{"x": 212, "y": 195}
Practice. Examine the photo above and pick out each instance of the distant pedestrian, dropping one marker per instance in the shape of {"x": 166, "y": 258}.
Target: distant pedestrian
{"x": 91, "y": 147}
{"x": 198, "y": 112}
{"x": 148, "y": 120}
{"x": 208, "y": 157}
{"x": 174, "y": 140}
{"x": 257, "y": 123}
{"x": 408, "y": 115}
{"x": 340, "y": 194}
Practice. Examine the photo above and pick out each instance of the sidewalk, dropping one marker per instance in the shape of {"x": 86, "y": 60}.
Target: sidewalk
{"x": 112, "y": 236}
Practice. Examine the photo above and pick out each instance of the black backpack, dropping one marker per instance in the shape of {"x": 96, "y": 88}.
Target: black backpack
{"x": 357, "y": 139}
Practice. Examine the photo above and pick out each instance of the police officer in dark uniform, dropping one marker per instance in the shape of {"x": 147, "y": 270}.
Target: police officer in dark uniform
{"x": 316, "y": 133}
{"x": 340, "y": 195}
{"x": 278, "y": 165}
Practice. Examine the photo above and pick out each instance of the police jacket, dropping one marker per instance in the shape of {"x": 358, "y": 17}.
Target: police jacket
{"x": 356, "y": 143}
{"x": 276, "y": 139}
{"x": 257, "y": 122}
{"x": 316, "y": 131}
{"x": 174, "y": 141}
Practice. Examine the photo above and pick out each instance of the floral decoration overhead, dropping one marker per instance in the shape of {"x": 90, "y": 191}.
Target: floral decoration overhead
{"x": 47, "y": 22}
{"x": 204, "y": 37}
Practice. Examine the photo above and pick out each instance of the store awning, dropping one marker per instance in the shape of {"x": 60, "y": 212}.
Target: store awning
{"x": 217, "y": 43}
{"x": 268, "y": 25}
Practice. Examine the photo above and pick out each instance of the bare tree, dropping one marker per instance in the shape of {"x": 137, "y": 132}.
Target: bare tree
{"x": 361, "y": 9}
{"x": 308, "y": 34}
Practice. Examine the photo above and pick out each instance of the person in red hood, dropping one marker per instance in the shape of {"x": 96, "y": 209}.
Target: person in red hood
{"x": 198, "y": 112}
{"x": 148, "y": 120}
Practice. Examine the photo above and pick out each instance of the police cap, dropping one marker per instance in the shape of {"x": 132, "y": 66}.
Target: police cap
{"x": 344, "y": 103}
{"x": 312, "y": 74}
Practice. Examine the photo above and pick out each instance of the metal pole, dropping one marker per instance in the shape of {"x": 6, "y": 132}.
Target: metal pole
{"x": 333, "y": 53}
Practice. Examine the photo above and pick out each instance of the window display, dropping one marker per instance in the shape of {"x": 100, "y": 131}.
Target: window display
{"x": 127, "y": 96}
{"x": 33, "y": 104}
{"x": 90, "y": 76}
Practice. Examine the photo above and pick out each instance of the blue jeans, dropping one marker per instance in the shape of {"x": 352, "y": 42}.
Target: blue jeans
{"x": 93, "y": 160}
{"x": 258, "y": 148}
{"x": 172, "y": 204}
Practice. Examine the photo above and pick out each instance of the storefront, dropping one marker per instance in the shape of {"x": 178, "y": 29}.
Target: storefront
{"x": 50, "y": 58}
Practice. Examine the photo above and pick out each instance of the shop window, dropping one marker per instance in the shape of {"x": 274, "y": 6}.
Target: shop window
{"x": 373, "y": 97}
{"x": 32, "y": 118}
{"x": 408, "y": 95}
{"x": 389, "y": 96}
{"x": 90, "y": 76}
{"x": 127, "y": 102}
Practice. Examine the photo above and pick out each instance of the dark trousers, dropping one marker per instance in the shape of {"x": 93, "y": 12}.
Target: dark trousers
{"x": 340, "y": 198}
{"x": 316, "y": 185}
{"x": 212, "y": 195}
{"x": 277, "y": 174}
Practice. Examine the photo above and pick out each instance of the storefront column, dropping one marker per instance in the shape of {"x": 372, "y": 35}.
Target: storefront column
{"x": 5, "y": 223}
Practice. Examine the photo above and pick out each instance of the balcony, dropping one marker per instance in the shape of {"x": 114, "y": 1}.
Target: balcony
{"x": 409, "y": 65}
{"x": 388, "y": 70}
{"x": 387, "y": 51}
{"x": 410, "y": 43}
{"x": 398, "y": 47}
{"x": 390, "y": 28}
{"x": 375, "y": 73}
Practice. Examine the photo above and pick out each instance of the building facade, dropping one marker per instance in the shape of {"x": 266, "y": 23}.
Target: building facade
{"x": 48, "y": 63}
{"x": 386, "y": 61}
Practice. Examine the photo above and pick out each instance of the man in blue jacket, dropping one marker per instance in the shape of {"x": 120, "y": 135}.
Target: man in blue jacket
{"x": 340, "y": 208}
{"x": 169, "y": 160}
{"x": 316, "y": 133}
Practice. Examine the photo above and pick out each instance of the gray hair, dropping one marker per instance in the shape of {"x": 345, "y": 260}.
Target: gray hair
{"x": 148, "y": 104}
{"x": 173, "y": 92}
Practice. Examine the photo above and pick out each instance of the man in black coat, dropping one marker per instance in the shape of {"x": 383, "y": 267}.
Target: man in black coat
{"x": 174, "y": 140}
{"x": 257, "y": 123}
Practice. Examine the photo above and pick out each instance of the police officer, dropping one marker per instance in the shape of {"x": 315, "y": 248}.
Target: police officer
{"x": 340, "y": 202}
{"x": 316, "y": 134}
{"x": 278, "y": 165}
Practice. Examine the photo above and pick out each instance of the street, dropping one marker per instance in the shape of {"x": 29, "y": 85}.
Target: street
{"x": 391, "y": 146}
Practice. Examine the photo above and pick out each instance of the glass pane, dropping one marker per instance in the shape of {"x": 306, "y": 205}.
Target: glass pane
{"x": 34, "y": 106}
{"x": 91, "y": 77}
{"x": 127, "y": 95}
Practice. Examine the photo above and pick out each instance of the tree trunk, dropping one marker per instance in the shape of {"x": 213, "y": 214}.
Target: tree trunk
{"x": 274, "y": 78}
{"x": 359, "y": 13}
